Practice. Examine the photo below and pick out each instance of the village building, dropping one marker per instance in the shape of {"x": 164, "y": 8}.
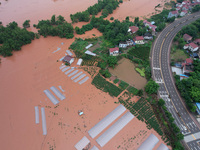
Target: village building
{"x": 186, "y": 46}
{"x": 183, "y": 13}
{"x": 139, "y": 40}
{"x": 123, "y": 44}
{"x": 173, "y": 14}
{"x": 187, "y": 66}
{"x": 150, "y": 25}
{"x": 130, "y": 42}
{"x": 179, "y": 5}
{"x": 68, "y": 59}
{"x": 197, "y": 41}
{"x": 193, "y": 47}
{"x": 114, "y": 51}
{"x": 133, "y": 29}
{"x": 148, "y": 36}
{"x": 187, "y": 38}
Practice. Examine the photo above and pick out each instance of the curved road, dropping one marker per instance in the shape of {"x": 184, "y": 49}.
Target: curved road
{"x": 162, "y": 74}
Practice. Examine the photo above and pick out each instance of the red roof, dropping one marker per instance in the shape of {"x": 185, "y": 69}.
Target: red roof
{"x": 187, "y": 37}
{"x": 139, "y": 38}
{"x": 193, "y": 45}
{"x": 197, "y": 40}
{"x": 185, "y": 11}
{"x": 174, "y": 12}
{"x": 114, "y": 49}
{"x": 134, "y": 29}
{"x": 67, "y": 58}
{"x": 189, "y": 61}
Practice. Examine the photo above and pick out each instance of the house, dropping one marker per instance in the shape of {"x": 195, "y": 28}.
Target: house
{"x": 150, "y": 25}
{"x": 114, "y": 51}
{"x": 187, "y": 69}
{"x": 133, "y": 29}
{"x": 197, "y": 41}
{"x": 178, "y": 8}
{"x": 189, "y": 61}
{"x": 179, "y": 5}
{"x": 183, "y": 13}
{"x": 122, "y": 45}
{"x": 193, "y": 47}
{"x": 139, "y": 40}
{"x": 68, "y": 59}
{"x": 187, "y": 38}
{"x": 130, "y": 42}
{"x": 173, "y": 14}
{"x": 148, "y": 36}
{"x": 186, "y": 46}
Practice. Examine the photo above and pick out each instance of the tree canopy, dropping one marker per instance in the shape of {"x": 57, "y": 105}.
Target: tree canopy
{"x": 151, "y": 87}
{"x": 13, "y": 38}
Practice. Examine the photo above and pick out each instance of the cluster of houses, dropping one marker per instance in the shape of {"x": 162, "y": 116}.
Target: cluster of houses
{"x": 136, "y": 39}
{"x": 192, "y": 46}
{"x": 183, "y": 8}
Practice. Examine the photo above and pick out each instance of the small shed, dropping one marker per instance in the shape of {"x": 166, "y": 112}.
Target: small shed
{"x": 90, "y": 45}
{"x": 68, "y": 59}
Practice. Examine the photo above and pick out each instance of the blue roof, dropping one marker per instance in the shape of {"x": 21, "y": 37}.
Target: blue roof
{"x": 183, "y": 75}
{"x": 195, "y": 54}
{"x": 198, "y": 105}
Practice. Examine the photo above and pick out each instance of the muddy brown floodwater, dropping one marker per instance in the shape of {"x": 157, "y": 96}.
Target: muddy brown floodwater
{"x": 25, "y": 75}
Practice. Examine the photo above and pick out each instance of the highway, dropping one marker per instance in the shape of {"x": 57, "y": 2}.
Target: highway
{"x": 161, "y": 72}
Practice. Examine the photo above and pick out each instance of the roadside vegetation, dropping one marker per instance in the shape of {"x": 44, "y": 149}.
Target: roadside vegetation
{"x": 189, "y": 88}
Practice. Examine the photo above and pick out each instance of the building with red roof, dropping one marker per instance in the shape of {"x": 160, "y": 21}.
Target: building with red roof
{"x": 114, "y": 51}
{"x": 173, "y": 14}
{"x": 193, "y": 47}
{"x": 139, "y": 40}
{"x": 197, "y": 41}
{"x": 69, "y": 59}
{"x": 133, "y": 29}
{"x": 187, "y": 38}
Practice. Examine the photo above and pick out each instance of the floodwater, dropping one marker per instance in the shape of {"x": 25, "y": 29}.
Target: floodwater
{"x": 25, "y": 75}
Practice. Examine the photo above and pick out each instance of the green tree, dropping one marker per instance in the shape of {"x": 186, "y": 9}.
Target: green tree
{"x": 161, "y": 102}
{"x": 53, "y": 20}
{"x": 180, "y": 136}
{"x": 151, "y": 87}
{"x": 26, "y": 24}
{"x": 112, "y": 61}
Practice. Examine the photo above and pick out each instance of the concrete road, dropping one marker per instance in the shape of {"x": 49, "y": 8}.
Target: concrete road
{"x": 161, "y": 72}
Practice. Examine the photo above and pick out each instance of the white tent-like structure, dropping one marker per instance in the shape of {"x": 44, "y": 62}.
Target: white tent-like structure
{"x": 101, "y": 125}
{"x": 82, "y": 143}
{"x": 162, "y": 147}
{"x": 149, "y": 143}
{"x": 79, "y": 61}
{"x": 94, "y": 148}
{"x": 90, "y": 53}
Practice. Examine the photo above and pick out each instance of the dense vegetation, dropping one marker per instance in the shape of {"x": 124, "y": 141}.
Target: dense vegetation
{"x": 57, "y": 26}
{"x": 107, "y": 7}
{"x": 151, "y": 87}
{"x": 106, "y": 86}
{"x": 13, "y": 38}
{"x": 196, "y": 8}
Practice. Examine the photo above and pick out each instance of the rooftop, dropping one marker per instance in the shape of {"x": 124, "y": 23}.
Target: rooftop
{"x": 114, "y": 49}
{"x": 134, "y": 29}
{"x": 193, "y": 45}
{"x": 187, "y": 37}
{"x": 139, "y": 38}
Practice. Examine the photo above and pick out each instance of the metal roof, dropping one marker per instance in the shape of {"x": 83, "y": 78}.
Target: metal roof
{"x": 82, "y": 143}
{"x": 84, "y": 80}
{"x": 58, "y": 93}
{"x": 149, "y": 143}
{"x": 114, "y": 129}
{"x": 37, "y": 115}
{"x": 51, "y": 97}
{"x": 106, "y": 121}
{"x": 162, "y": 147}
{"x": 94, "y": 148}
{"x": 72, "y": 78}
{"x": 44, "y": 126}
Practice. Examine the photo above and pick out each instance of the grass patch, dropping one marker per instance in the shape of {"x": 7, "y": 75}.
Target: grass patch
{"x": 123, "y": 85}
{"x": 132, "y": 90}
{"x": 116, "y": 81}
{"x": 178, "y": 55}
{"x": 141, "y": 71}
{"x": 141, "y": 51}
{"x": 100, "y": 83}
{"x": 79, "y": 45}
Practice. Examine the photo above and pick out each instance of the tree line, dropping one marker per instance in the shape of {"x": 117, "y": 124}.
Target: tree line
{"x": 13, "y": 38}
{"x": 107, "y": 7}
{"x": 57, "y": 26}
